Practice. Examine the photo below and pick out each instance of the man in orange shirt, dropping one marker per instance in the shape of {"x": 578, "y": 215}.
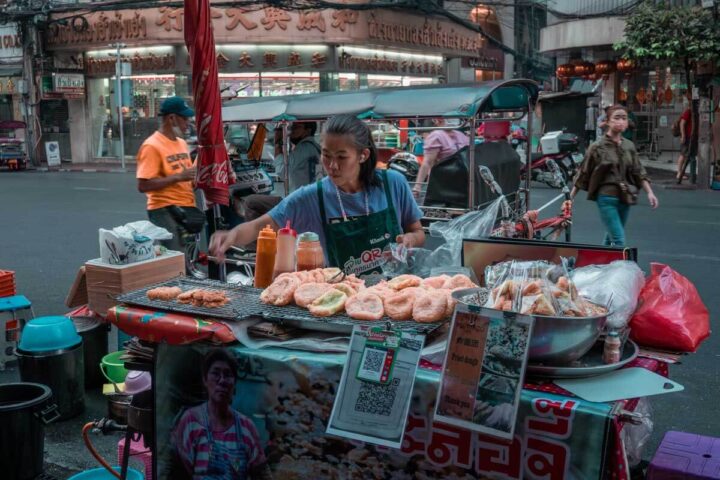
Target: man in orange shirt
{"x": 166, "y": 173}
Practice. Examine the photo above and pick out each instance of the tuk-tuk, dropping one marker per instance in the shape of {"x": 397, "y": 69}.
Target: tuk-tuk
{"x": 12, "y": 149}
{"x": 469, "y": 104}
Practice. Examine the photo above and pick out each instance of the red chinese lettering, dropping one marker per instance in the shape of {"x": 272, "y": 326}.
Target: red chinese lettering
{"x": 310, "y": 20}
{"x": 270, "y": 59}
{"x": 170, "y": 18}
{"x": 275, "y": 16}
{"x": 414, "y": 443}
{"x": 246, "y": 60}
{"x": 555, "y": 417}
{"x": 294, "y": 59}
{"x": 342, "y": 18}
{"x": 318, "y": 59}
{"x": 222, "y": 60}
{"x": 237, "y": 16}
{"x": 546, "y": 459}
{"x": 450, "y": 446}
{"x": 492, "y": 457}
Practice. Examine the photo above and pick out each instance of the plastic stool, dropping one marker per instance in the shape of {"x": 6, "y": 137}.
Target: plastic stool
{"x": 138, "y": 451}
{"x": 686, "y": 456}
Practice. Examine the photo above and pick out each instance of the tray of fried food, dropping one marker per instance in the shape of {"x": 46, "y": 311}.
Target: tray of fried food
{"x": 328, "y": 292}
{"x": 194, "y": 296}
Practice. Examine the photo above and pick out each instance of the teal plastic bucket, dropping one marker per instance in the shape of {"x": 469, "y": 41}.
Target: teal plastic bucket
{"x": 102, "y": 474}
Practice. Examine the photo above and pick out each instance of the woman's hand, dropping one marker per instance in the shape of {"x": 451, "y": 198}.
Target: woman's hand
{"x": 220, "y": 242}
{"x": 652, "y": 199}
{"x": 405, "y": 240}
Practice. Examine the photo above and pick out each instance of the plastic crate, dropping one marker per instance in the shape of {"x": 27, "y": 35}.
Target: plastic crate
{"x": 7, "y": 283}
{"x": 686, "y": 456}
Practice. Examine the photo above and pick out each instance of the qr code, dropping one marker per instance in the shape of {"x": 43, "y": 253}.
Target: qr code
{"x": 372, "y": 364}
{"x": 377, "y": 399}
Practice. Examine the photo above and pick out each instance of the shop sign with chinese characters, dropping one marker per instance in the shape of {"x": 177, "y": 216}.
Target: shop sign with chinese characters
{"x": 390, "y": 64}
{"x": 270, "y": 25}
{"x": 268, "y": 59}
{"x": 9, "y": 85}
{"x": 10, "y": 44}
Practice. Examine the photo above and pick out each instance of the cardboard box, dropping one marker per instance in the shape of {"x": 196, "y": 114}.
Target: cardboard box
{"x": 105, "y": 281}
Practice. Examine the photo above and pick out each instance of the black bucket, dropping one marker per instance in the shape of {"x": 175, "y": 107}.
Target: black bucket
{"x": 24, "y": 412}
{"x": 61, "y": 370}
{"x": 94, "y": 335}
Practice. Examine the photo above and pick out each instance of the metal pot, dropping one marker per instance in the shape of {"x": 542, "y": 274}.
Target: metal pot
{"x": 118, "y": 404}
{"x": 555, "y": 340}
{"x": 94, "y": 335}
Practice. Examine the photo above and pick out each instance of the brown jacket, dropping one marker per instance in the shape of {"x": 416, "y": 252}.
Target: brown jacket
{"x": 606, "y": 164}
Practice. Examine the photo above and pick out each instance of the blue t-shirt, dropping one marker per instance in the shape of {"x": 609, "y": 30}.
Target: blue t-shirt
{"x": 302, "y": 210}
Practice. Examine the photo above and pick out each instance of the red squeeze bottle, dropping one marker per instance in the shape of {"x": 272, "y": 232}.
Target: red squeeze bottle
{"x": 265, "y": 258}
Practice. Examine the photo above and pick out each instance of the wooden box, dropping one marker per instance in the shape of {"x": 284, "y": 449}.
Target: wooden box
{"x": 104, "y": 281}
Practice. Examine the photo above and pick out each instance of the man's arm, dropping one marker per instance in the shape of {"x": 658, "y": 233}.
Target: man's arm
{"x": 152, "y": 184}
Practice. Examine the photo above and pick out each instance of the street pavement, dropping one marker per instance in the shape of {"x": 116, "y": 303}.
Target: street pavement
{"x": 50, "y": 224}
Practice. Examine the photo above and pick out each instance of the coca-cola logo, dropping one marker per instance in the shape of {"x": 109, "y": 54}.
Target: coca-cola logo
{"x": 213, "y": 174}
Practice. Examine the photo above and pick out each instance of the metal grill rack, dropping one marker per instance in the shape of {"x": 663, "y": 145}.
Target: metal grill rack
{"x": 245, "y": 302}
{"x": 242, "y": 303}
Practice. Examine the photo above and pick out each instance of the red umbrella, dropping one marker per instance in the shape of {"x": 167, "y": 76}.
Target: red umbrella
{"x": 214, "y": 172}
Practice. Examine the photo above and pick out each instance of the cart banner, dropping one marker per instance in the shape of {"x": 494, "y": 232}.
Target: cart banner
{"x": 166, "y": 327}
{"x": 287, "y": 396}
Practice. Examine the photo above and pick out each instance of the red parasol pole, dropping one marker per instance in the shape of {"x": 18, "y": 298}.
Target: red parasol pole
{"x": 213, "y": 165}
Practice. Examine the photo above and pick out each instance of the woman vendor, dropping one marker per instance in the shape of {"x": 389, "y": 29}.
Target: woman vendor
{"x": 356, "y": 210}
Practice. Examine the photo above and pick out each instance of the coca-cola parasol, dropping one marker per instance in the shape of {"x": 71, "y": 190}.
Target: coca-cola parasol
{"x": 214, "y": 172}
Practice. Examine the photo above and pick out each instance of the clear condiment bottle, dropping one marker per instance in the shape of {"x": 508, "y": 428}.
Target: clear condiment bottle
{"x": 611, "y": 352}
{"x": 265, "y": 259}
{"x": 285, "y": 257}
{"x": 309, "y": 252}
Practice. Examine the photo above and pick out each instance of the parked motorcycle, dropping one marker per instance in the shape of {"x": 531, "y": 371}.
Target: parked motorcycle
{"x": 405, "y": 163}
{"x": 564, "y": 149}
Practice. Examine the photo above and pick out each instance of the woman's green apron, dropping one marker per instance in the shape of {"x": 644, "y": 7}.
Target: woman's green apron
{"x": 362, "y": 245}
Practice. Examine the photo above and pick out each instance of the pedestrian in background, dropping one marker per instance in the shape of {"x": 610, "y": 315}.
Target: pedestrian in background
{"x": 611, "y": 173}
{"x": 685, "y": 143}
{"x": 165, "y": 174}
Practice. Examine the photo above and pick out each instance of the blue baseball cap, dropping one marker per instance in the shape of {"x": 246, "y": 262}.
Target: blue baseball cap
{"x": 177, "y": 106}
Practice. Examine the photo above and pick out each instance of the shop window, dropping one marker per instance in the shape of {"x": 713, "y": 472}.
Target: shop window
{"x": 6, "y": 112}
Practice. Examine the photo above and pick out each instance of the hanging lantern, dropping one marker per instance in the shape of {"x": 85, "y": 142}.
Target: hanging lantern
{"x": 625, "y": 65}
{"x": 640, "y": 96}
{"x": 566, "y": 70}
{"x": 584, "y": 69}
{"x": 622, "y": 96}
{"x": 668, "y": 95}
{"x": 605, "y": 67}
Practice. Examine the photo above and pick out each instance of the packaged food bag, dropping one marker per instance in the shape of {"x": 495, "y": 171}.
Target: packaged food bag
{"x": 670, "y": 314}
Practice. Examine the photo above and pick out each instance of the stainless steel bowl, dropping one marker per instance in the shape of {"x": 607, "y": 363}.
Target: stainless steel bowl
{"x": 555, "y": 340}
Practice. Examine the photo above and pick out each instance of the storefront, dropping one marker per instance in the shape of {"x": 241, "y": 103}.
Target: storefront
{"x": 281, "y": 53}
{"x": 10, "y": 73}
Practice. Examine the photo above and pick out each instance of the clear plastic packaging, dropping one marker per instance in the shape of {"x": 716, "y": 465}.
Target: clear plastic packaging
{"x": 528, "y": 288}
{"x": 616, "y": 285}
{"x": 420, "y": 261}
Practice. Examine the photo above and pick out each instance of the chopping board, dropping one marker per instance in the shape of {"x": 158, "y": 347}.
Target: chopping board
{"x": 619, "y": 385}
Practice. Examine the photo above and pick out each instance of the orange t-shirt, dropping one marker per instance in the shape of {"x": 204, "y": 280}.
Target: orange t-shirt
{"x": 161, "y": 157}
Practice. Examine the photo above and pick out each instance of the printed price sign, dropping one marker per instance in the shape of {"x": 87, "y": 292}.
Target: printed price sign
{"x": 483, "y": 370}
{"x": 375, "y": 389}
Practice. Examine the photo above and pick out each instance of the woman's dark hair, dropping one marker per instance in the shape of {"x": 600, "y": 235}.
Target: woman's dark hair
{"x": 615, "y": 108}
{"x": 362, "y": 138}
{"x": 219, "y": 355}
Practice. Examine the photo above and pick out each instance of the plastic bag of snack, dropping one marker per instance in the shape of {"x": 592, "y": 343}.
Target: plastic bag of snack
{"x": 617, "y": 285}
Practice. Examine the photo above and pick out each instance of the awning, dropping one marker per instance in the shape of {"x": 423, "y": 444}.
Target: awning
{"x": 428, "y": 101}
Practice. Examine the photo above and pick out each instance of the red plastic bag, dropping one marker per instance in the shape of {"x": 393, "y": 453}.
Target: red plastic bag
{"x": 670, "y": 313}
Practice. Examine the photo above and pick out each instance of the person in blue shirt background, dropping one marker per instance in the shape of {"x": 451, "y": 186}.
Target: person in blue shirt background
{"x": 356, "y": 210}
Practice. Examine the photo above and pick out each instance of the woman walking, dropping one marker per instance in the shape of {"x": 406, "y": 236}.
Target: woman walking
{"x": 611, "y": 173}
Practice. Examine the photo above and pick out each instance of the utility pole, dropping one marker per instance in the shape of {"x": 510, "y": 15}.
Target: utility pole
{"x": 118, "y": 96}
{"x": 30, "y": 95}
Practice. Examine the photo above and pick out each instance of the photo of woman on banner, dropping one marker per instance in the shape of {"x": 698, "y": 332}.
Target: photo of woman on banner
{"x": 213, "y": 440}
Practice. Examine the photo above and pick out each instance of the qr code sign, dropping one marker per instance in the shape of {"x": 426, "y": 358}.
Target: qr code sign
{"x": 376, "y": 399}
{"x": 371, "y": 365}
